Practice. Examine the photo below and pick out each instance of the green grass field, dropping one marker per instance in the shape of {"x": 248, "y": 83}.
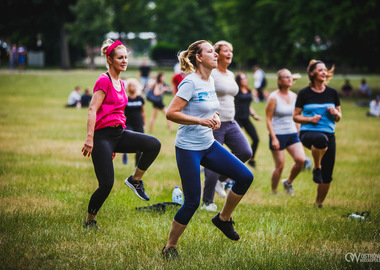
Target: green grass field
{"x": 45, "y": 186}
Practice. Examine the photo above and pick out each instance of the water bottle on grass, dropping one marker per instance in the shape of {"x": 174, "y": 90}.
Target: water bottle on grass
{"x": 177, "y": 195}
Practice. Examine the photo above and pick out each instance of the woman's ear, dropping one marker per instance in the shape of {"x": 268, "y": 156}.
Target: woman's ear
{"x": 198, "y": 57}
{"x": 109, "y": 60}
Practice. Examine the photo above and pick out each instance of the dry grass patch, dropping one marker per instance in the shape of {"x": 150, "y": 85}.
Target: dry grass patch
{"x": 28, "y": 205}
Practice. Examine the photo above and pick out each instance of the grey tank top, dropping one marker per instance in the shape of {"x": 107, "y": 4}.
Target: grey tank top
{"x": 282, "y": 120}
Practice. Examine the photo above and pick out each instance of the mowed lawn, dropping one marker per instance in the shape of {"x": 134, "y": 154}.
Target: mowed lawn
{"x": 45, "y": 186}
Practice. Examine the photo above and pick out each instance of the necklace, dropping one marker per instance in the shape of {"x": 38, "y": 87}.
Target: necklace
{"x": 116, "y": 84}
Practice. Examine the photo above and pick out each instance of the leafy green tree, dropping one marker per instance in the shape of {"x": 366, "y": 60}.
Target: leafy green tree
{"x": 131, "y": 15}
{"x": 92, "y": 22}
{"x": 285, "y": 33}
{"x": 183, "y": 22}
{"x": 26, "y": 22}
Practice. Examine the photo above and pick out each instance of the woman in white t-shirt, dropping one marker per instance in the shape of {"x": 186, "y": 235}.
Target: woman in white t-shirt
{"x": 195, "y": 108}
{"x": 283, "y": 131}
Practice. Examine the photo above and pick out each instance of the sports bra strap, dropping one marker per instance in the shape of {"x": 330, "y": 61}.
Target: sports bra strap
{"x": 109, "y": 76}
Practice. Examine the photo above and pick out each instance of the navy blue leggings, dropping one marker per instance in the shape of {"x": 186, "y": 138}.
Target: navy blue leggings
{"x": 216, "y": 158}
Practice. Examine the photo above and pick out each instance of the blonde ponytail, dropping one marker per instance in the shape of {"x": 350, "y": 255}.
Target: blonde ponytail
{"x": 108, "y": 42}
{"x": 185, "y": 64}
{"x": 187, "y": 59}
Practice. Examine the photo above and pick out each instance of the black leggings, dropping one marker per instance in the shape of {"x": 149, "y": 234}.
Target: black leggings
{"x": 251, "y": 131}
{"x": 116, "y": 140}
{"x": 321, "y": 140}
{"x": 140, "y": 129}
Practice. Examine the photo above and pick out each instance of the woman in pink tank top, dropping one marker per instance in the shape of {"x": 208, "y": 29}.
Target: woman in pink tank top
{"x": 106, "y": 133}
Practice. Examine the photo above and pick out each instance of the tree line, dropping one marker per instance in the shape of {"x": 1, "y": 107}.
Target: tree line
{"x": 271, "y": 33}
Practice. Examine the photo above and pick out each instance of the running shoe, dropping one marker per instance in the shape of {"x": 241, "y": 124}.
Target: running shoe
{"x": 252, "y": 163}
{"x": 227, "y": 227}
{"x": 307, "y": 164}
{"x": 170, "y": 253}
{"x": 91, "y": 224}
{"x": 318, "y": 205}
{"x": 288, "y": 187}
{"x": 317, "y": 176}
{"x": 229, "y": 185}
{"x": 209, "y": 207}
{"x": 219, "y": 188}
{"x": 137, "y": 187}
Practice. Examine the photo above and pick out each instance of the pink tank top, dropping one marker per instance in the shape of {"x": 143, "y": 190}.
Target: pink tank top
{"x": 111, "y": 112}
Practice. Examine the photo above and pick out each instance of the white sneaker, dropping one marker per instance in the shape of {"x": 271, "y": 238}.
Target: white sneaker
{"x": 219, "y": 188}
{"x": 288, "y": 187}
{"x": 209, "y": 207}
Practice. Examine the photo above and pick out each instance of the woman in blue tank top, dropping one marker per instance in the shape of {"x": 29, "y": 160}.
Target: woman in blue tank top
{"x": 317, "y": 110}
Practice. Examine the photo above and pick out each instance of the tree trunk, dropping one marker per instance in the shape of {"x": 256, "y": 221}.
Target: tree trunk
{"x": 91, "y": 56}
{"x": 65, "y": 59}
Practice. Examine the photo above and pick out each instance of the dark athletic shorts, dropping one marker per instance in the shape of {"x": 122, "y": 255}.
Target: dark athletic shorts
{"x": 285, "y": 140}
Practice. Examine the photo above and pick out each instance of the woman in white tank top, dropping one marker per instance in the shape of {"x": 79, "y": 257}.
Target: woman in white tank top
{"x": 283, "y": 131}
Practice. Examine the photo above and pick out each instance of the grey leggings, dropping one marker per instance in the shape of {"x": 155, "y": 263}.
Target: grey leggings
{"x": 231, "y": 135}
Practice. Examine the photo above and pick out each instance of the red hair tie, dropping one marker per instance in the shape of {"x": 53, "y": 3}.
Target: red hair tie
{"x": 113, "y": 46}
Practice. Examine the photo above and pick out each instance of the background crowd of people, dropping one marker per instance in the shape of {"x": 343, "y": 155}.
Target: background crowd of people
{"x": 17, "y": 57}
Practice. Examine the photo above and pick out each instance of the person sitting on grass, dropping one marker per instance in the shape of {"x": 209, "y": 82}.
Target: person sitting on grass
{"x": 74, "y": 98}
{"x": 86, "y": 98}
{"x": 374, "y": 107}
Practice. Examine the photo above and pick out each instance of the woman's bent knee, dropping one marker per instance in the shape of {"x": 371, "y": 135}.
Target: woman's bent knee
{"x": 243, "y": 183}
{"x": 155, "y": 144}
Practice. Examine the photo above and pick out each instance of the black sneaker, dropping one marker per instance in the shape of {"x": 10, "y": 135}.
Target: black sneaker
{"x": 226, "y": 227}
{"x": 317, "y": 205}
{"x": 170, "y": 253}
{"x": 137, "y": 187}
{"x": 317, "y": 176}
{"x": 252, "y": 163}
{"x": 91, "y": 224}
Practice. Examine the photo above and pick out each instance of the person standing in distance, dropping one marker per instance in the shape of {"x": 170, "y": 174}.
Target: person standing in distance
{"x": 259, "y": 82}
{"x": 106, "y": 133}
{"x": 144, "y": 71}
{"x": 283, "y": 131}
{"x": 243, "y": 111}
{"x": 159, "y": 88}
{"x": 134, "y": 112}
{"x": 195, "y": 108}
{"x": 317, "y": 109}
